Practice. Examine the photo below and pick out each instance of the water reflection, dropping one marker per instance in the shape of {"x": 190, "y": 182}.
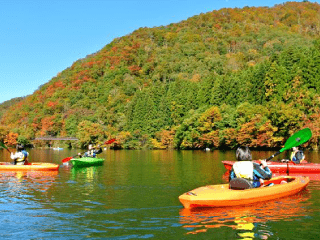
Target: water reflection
{"x": 87, "y": 174}
{"x": 249, "y": 221}
{"x": 24, "y": 187}
{"x": 42, "y": 177}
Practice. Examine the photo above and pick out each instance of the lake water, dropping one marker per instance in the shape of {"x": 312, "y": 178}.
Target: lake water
{"x": 134, "y": 195}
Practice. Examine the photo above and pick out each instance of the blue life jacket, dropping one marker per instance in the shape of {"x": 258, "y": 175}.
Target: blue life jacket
{"x": 25, "y": 154}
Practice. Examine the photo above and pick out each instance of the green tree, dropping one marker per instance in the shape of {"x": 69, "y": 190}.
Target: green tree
{"x": 90, "y": 133}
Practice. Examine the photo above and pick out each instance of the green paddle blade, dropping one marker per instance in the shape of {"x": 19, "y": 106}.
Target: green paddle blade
{"x": 297, "y": 139}
{"x": 2, "y": 145}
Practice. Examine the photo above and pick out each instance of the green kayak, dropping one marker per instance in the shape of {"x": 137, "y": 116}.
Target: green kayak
{"x": 86, "y": 161}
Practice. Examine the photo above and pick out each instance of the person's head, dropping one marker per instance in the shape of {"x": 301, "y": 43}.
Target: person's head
{"x": 299, "y": 155}
{"x": 295, "y": 149}
{"x": 20, "y": 147}
{"x": 243, "y": 154}
{"x": 90, "y": 146}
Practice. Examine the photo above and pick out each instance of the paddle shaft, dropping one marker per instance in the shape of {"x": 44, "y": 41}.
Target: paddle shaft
{"x": 8, "y": 150}
{"x": 276, "y": 154}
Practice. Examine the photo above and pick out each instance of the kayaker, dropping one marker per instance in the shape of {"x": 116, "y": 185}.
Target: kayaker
{"x": 98, "y": 149}
{"x": 20, "y": 157}
{"x": 92, "y": 151}
{"x": 297, "y": 156}
{"x": 245, "y": 168}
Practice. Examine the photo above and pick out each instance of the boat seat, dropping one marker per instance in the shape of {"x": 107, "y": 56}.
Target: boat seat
{"x": 240, "y": 184}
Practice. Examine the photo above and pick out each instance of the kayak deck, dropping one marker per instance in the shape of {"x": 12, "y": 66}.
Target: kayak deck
{"x": 35, "y": 166}
{"x": 86, "y": 161}
{"x": 222, "y": 196}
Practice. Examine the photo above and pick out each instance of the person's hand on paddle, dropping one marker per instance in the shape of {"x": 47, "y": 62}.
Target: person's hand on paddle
{"x": 263, "y": 163}
{"x": 261, "y": 182}
{"x": 285, "y": 160}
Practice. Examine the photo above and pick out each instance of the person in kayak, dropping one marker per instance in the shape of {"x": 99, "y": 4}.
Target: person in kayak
{"x": 297, "y": 156}
{"x": 92, "y": 151}
{"x": 20, "y": 157}
{"x": 245, "y": 168}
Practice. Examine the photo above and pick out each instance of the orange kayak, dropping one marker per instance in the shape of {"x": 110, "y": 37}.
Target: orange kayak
{"x": 222, "y": 196}
{"x": 36, "y": 166}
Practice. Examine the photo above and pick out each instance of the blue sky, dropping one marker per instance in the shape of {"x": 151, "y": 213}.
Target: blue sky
{"x": 39, "y": 39}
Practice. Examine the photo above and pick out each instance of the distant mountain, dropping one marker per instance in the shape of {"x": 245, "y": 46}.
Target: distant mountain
{"x": 219, "y": 79}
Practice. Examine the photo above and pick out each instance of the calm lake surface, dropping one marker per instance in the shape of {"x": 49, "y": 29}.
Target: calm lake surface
{"x": 134, "y": 195}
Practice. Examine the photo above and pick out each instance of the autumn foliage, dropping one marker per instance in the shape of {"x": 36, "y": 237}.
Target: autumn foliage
{"x": 246, "y": 76}
{"x": 11, "y": 139}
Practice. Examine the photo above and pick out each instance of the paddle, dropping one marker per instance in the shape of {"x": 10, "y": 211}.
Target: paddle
{"x": 69, "y": 158}
{"x": 109, "y": 141}
{"x": 295, "y": 140}
{"x": 4, "y": 146}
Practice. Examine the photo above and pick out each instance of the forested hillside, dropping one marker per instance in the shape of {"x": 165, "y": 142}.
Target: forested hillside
{"x": 7, "y": 104}
{"x": 228, "y": 77}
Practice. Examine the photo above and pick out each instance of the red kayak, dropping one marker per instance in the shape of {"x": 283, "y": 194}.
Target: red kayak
{"x": 282, "y": 167}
